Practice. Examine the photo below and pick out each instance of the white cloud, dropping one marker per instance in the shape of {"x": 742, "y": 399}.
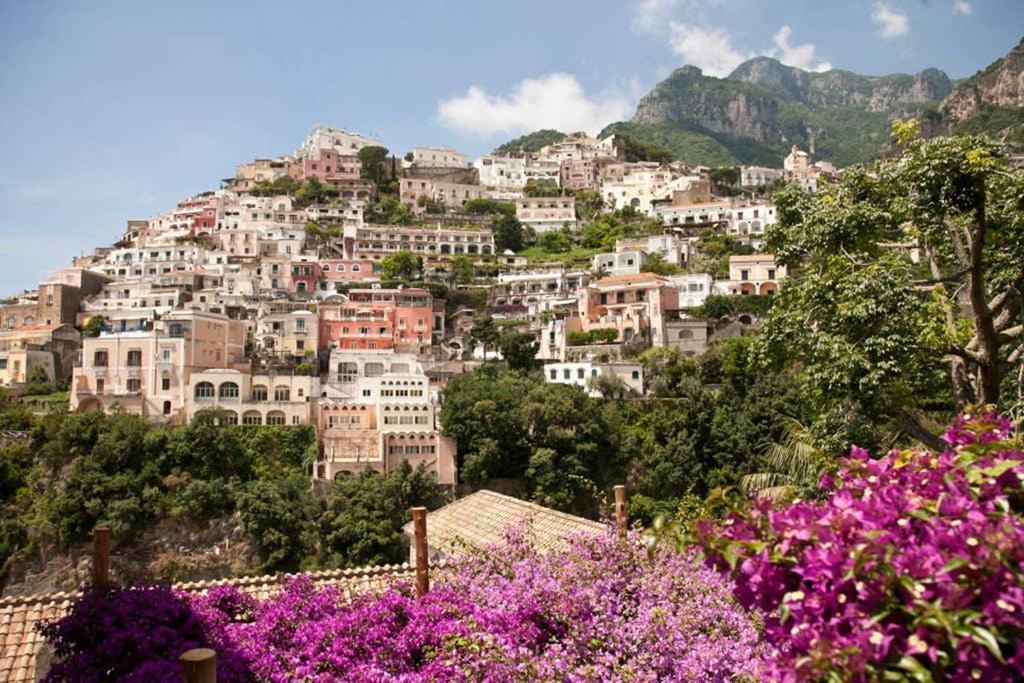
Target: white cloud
{"x": 651, "y": 16}
{"x": 553, "y": 101}
{"x": 709, "y": 48}
{"x": 962, "y": 7}
{"x": 892, "y": 23}
{"x": 800, "y": 56}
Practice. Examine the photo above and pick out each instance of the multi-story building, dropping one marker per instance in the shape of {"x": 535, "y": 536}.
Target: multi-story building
{"x": 329, "y": 166}
{"x": 546, "y": 213}
{"x": 754, "y": 274}
{"x": 438, "y": 157}
{"x": 261, "y": 171}
{"x": 146, "y": 372}
{"x": 760, "y": 176}
{"x": 415, "y": 192}
{"x": 632, "y": 305}
{"x": 54, "y": 347}
{"x": 254, "y": 399}
{"x": 620, "y": 262}
{"x": 434, "y": 244}
{"x": 578, "y": 174}
{"x": 378, "y": 319}
{"x": 672, "y": 249}
{"x": 343, "y": 142}
{"x": 504, "y": 175}
{"x": 287, "y": 329}
{"x": 378, "y": 412}
{"x": 582, "y": 373}
{"x": 693, "y": 288}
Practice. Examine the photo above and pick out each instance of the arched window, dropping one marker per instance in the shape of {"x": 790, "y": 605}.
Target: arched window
{"x": 228, "y": 390}
{"x": 230, "y": 417}
{"x": 282, "y": 393}
{"x": 259, "y": 393}
{"x": 275, "y": 417}
{"x": 327, "y": 267}
{"x": 355, "y": 268}
{"x": 204, "y": 390}
{"x": 686, "y": 334}
{"x": 252, "y": 417}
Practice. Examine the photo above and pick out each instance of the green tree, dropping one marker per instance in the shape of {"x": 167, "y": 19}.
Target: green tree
{"x": 373, "y": 159}
{"x": 279, "y": 515}
{"x": 93, "y": 326}
{"x": 462, "y": 269}
{"x": 589, "y": 204}
{"x": 657, "y": 264}
{"x": 38, "y": 382}
{"x": 555, "y": 241}
{"x": 793, "y": 466}
{"x": 508, "y": 234}
{"x": 402, "y": 265}
{"x": 484, "y": 332}
{"x": 519, "y": 349}
{"x": 877, "y": 331}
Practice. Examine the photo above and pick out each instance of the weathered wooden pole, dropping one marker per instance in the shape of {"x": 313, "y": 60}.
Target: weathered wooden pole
{"x": 620, "y": 508}
{"x": 419, "y": 527}
{"x": 199, "y": 666}
{"x": 101, "y": 557}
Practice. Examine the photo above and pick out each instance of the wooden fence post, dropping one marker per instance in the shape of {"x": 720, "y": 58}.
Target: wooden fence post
{"x": 620, "y": 508}
{"x": 199, "y": 666}
{"x": 419, "y": 526}
{"x": 100, "y": 557}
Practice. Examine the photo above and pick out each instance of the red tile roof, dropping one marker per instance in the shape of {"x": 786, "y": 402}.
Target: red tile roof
{"x": 25, "y": 656}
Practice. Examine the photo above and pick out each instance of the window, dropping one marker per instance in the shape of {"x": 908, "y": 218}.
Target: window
{"x": 275, "y": 417}
{"x": 771, "y": 273}
{"x": 580, "y": 373}
{"x": 135, "y": 385}
{"x": 228, "y": 390}
{"x": 744, "y": 274}
{"x": 99, "y": 359}
{"x": 134, "y": 358}
{"x": 259, "y": 393}
{"x": 566, "y": 373}
{"x": 282, "y": 394}
{"x": 167, "y": 407}
{"x": 165, "y": 384}
{"x": 636, "y": 374}
{"x": 300, "y": 325}
{"x": 252, "y": 417}
{"x": 204, "y": 390}
{"x": 165, "y": 355}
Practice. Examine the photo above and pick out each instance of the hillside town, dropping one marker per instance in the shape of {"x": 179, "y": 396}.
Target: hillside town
{"x": 284, "y": 297}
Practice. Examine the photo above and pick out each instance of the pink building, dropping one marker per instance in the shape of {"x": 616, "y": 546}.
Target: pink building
{"x": 348, "y": 270}
{"x": 378, "y": 319}
{"x": 306, "y": 273}
{"x": 579, "y": 174}
{"x": 633, "y": 305}
{"x": 329, "y": 166}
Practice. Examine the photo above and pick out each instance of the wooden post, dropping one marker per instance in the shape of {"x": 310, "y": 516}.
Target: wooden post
{"x": 100, "y": 557}
{"x": 199, "y": 666}
{"x": 419, "y": 526}
{"x": 620, "y": 508}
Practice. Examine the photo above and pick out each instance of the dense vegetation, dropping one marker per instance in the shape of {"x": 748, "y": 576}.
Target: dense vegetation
{"x": 79, "y": 471}
{"x": 531, "y": 142}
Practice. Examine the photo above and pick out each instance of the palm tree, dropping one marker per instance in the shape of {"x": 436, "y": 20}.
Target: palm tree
{"x": 793, "y": 466}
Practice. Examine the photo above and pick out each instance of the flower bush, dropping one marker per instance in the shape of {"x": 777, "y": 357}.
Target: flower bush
{"x": 911, "y": 569}
{"x": 602, "y": 609}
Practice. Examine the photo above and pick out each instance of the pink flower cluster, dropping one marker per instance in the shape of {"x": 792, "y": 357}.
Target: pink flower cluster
{"x": 913, "y": 566}
{"x": 603, "y": 609}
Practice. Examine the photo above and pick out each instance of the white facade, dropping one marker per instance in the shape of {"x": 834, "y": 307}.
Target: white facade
{"x": 753, "y": 176}
{"x": 254, "y": 399}
{"x": 501, "y": 173}
{"x": 439, "y": 157}
{"x": 693, "y": 288}
{"x": 342, "y": 141}
{"x": 620, "y": 262}
{"x": 580, "y": 374}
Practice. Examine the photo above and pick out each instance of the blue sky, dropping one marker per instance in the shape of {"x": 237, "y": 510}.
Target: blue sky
{"x": 115, "y": 110}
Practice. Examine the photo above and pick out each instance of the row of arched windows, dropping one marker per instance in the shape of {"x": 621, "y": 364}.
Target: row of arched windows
{"x": 229, "y": 390}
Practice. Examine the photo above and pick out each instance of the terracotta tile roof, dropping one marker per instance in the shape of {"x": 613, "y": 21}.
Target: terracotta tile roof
{"x": 481, "y": 519}
{"x": 744, "y": 258}
{"x": 640, "y": 277}
{"x": 22, "y": 645}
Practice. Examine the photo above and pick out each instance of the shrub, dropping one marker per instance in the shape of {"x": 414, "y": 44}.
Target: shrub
{"x": 912, "y": 567}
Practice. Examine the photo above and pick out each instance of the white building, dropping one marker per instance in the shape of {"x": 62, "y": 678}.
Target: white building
{"x": 693, "y": 288}
{"x": 501, "y": 173}
{"x": 342, "y": 141}
{"x": 580, "y": 374}
{"x": 260, "y": 399}
{"x": 544, "y": 214}
{"x": 620, "y": 262}
{"x": 754, "y": 176}
{"x": 438, "y": 157}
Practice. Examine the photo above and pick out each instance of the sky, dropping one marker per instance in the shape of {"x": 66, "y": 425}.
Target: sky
{"x": 111, "y": 111}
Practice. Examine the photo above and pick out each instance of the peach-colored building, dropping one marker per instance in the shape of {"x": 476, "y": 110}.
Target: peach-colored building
{"x": 754, "y": 274}
{"x": 348, "y": 270}
{"x": 146, "y": 372}
{"x": 327, "y": 165}
{"x": 245, "y": 398}
{"x": 378, "y": 319}
{"x": 633, "y": 305}
{"x": 546, "y": 213}
{"x": 378, "y": 413}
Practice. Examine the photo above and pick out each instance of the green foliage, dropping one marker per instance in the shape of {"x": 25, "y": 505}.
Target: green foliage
{"x": 484, "y": 206}
{"x": 598, "y": 336}
{"x": 996, "y": 122}
{"x": 462, "y": 269}
{"x": 589, "y": 203}
{"x": 93, "y": 326}
{"x": 544, "y": 187}
{"x": 657, "y": 264}
{"x": 279, "y": 515}
{"x": 361, "y": 523}
{"x": 555, "y": 241}
{"x": 312, "y": 191}
{"x": 508, "y": 234}
{"x": 387, "y": 210}
{"x": 373, "y": 159}
{"x": 718, "y": 306}
{"x": 402, "y": 265}
{"x": 519, "y": 350}
{"x": 531, "y": 142}
{"x": 637, "y": 149}
{"x": 307, "y": 369}
{"x": 484, "y": 331}
{"x": 38, "y": 383}
{"x": 279, "y": 186}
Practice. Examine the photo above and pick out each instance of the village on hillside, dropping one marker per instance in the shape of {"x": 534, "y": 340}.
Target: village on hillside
{"x": 342, "y": 287}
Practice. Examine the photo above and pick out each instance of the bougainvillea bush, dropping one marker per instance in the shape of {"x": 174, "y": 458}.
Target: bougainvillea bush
{"x": 912, "y": 568}
{"x": 602, "y": 609}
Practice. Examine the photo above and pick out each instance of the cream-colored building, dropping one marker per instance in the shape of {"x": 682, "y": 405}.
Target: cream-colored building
{"x": 260, "y": 399}
{"x": 546, "y": 213}
{"x": 147, "y": 372}
{"x": 754, "y": 274}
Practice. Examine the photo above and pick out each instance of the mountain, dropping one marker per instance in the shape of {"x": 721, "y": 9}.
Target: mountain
{"x": 990, "y": 102}
{"x": 763, "y": 107}
{"x": 531, "y": 142}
